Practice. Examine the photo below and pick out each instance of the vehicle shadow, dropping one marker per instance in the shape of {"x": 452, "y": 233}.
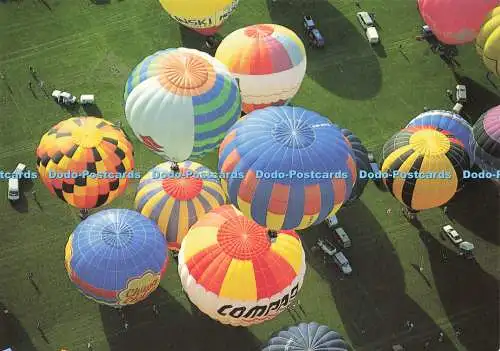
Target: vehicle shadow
{"x": 347, "y": 66}
{"x": 12, "y": 333}
{"x": 174, "y": 328}
{"x": 380, "y": 50}
{"x": 92, "y": 110}
{"x": 479, "y": 98}
{"x": 373, "y": 304}
{"x": 477, "y": 208}
{"x": 20, "y": 205}
{"x": 73, "y": 110}
{"x": 468, "y": 294}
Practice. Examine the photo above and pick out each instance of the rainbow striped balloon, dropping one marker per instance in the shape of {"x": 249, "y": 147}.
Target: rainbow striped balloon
{"x": 233, "y": 272}
{"x": 268, "y": 59}
{"x": 175, "y": 201}
{"x": 181, "y": 102}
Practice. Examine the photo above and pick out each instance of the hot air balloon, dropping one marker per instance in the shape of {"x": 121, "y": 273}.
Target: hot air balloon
{"x": 268, "y": 59}
{"x": 455, "y": 22}
{"x": 488, "y": 41}
{"x": 449, "y": 121}
{"x": 423, "y": 166}
{"x": 85, "y": 161}
{"x": 486, "y": 145}
{"x": 205, "y": 17}
{"x": 238, "y": 273}
{"x": 116, "y": 257}
{"x": 176, "y": 200}
{"x": 181, "y": 102}
{"x": 307, "y": 337}
{"x": 362, "y": 164}
{"x": 286, "y": 167}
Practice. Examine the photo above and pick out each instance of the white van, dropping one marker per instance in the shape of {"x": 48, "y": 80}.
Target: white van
{"x": 342, "y": 238}
{"x": 331, "y": 221}
{"x": 372, "y": 35}
{"x": 13, "y": 193}
{"x": 365, "y": 19}
{"x": 343, "y": 263}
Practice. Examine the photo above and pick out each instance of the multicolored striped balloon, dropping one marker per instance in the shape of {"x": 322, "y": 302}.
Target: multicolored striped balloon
{"x": 450, "y": 122}
{"x": 232, "y": 271}
{"x": 486, "y": 145}
{"x": 362, "y": 164}
{"x": 116, "y": 257}
{"x": 291, "y": 167}
{"x": 268, "y": 59}
{"x": 424, "y": 166}
{"x": 176, "y": 200}
{"x": 85, "y": 161}
{"x": 181, "y": 102}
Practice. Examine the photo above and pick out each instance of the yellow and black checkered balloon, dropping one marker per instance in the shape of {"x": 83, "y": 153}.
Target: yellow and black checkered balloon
{"x": 84, "y": 161}
{"x": 424, "y": 166}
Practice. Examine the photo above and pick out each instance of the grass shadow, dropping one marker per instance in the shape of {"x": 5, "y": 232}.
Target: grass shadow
{"x": 92, "y": 110}
{"x": 373, "y": 303}
{"x": 101, "y": 2}
{"x": 347, "y": 66}
{"x": 174, "y": 328}
{"x": 468, "y": 294}
{"x": 379, "y": 49}
{"x": 12, "y": 333}
{"x": 479, "y": 98}
{"x": 477, "y": 208}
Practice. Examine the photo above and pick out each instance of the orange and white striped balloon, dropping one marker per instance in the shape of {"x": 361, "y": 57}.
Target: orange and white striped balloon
{"x": 233, "y": 272}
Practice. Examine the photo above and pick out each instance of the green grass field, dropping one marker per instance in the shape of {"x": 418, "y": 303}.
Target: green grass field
{"x": 86, "y": 48}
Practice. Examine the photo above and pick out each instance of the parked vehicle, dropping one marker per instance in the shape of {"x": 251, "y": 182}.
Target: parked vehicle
{"x": 312, "y": 33}
{"x": 452, "y": 234}
{"x": 63, "y": 97}
{"x": 368, "y": 25}
{"x": 13, "y": 193}
{"x": 342, "y": 238}
{"x": 332, "y": 221}
{"x": 326, "y": 246}
{"x": 342, "y": 262}
{"x": 461, "y": 92}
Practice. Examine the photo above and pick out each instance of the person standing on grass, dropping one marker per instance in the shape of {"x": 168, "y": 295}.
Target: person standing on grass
{"x": 29, "y": 275}
{"x": 30, "y": 85}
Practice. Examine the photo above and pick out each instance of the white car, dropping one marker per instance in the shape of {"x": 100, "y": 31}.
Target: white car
{"x": 326, "y": 247}
{"x": 365, "y": 19}
{"x": 332, "y": 221}
{"x": 342, "y": 238}
{"x": 13, "y": 190}
{"x": 461, "y": 92}
{"x": 343, "y": 263}
{"x": 452, "y": 234}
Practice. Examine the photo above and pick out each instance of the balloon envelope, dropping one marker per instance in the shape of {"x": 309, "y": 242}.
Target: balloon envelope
{"x": 450, "y": 122}
{"x": 203, "y": 16}
{"x": 74, "y": 149}
{"x": 362, "y": 163}
{"x": 116, "y": 257}
{"x": 488, "y": 42}
{"x": 455, "y": 21}
{"x": 486, "y": 133}
{"x": 425, "y": 166}
{"x": 232, "y": 271}
{"x": 181, "y": 102}
{"x": 176, "y": 200}
{"x": 291, "y": 167}
{"x": 268, "y": 59}
{"x": 307, "y": 337}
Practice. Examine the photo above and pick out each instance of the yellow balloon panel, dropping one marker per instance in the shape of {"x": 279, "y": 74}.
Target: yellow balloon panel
{"x": 488, "y": 42}
{"x": 200, "y": 13}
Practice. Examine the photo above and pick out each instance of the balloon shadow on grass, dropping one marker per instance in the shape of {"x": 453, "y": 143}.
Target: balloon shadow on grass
{"x": 193, "y": 40}
{"x": 373, "y": 303}
{"x": 479, "y": 98}
{"x": 174, "y": 328}
{"x": 12, "y": 333}
{"x": 468, "y": 294}
{"x": 347, "y": 66}
{"x": 477, "y": 208}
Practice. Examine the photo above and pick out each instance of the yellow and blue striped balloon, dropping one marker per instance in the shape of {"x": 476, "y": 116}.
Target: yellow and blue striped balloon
{"x": 176, "y": 200}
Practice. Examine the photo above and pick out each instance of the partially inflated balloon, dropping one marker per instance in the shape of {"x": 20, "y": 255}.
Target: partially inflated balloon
{"x": 455, "y": 21}
{"x": 269, "y": 60}
{"x": 181, "y": 102}
{"x": 203, "y": 16}
{"x": 488, "y": 41}
{"x": 362, "y": 164}
{"x": 425, "y": 166}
